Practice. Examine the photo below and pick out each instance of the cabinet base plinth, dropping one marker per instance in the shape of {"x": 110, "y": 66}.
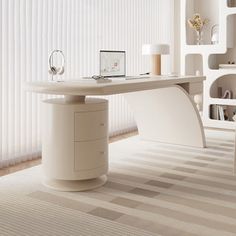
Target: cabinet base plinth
{"x": 75, "y": 185}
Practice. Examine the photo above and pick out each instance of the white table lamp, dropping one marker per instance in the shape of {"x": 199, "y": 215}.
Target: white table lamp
{"x": 156, "y": 50}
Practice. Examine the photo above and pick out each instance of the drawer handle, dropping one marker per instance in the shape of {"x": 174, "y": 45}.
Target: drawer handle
{"x": 102, "y": 152}
{"x": 102, "y": 124}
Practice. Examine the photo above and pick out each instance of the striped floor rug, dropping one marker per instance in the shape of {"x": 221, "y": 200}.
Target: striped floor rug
{"x": 152, "y": 189}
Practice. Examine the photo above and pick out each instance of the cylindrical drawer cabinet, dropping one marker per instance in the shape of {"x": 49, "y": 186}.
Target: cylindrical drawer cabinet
{"x": 75, "y": 143}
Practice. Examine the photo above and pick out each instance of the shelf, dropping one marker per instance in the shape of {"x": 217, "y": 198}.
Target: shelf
{"x": 230, "y": 55}
{"x": 219, "y": 124}
{"x": 224, "y": 102}
{"x": 226, "y": 82}
{"x": 222, "y": 112}
{"x": 217, "y": 73}
{"x": 207, "y": 57}
{"x": 222, "y": 59}
{"x": 231, "y": 11}
{"x": 207, "y": 9}
{"x": 212, "y": 48}
{"x": 227, "y": 71}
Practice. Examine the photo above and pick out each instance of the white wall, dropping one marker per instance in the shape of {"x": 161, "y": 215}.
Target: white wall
{"x": 31, "y": 29}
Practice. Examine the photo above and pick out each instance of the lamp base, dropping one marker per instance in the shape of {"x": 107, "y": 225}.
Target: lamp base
{"x": 156, "y": 65}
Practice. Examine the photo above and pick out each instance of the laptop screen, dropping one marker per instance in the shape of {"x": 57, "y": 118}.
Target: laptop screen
{"x": 112, "y": 63}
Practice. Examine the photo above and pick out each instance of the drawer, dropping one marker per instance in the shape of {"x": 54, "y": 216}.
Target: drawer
{"x": 91, "y": 125}
{"x": 193, "y": 88}
{"x": 91, "y": 155}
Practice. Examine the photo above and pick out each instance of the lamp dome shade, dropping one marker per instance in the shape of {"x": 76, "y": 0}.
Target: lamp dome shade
{"x": 155, "y": 49}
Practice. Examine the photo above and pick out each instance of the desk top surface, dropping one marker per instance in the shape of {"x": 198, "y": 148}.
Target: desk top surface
{"x": 84, "y": 87}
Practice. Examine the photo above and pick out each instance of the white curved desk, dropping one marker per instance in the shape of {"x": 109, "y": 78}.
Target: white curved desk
{"x": 75, "y": 128}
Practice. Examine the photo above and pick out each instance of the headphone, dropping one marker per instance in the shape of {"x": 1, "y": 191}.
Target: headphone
{"x": 53, "y": 70}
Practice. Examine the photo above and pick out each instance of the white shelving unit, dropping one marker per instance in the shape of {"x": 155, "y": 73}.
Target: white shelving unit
{"x": 207, "y": 57}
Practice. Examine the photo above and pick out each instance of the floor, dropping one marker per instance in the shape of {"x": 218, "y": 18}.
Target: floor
{"x": 152, "y": 189}
{"x": 28, "y": 164}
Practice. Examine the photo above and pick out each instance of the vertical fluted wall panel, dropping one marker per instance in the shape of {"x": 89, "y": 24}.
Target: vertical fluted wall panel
{"x": 31, "y": 29}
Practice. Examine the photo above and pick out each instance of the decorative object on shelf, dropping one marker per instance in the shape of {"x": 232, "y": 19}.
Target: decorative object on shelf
{"x": 228, "y": 94}
{"x": 198, "y": 24}
{"x": 156, "y": 50}
{"x": 112, "y": 63}
{"x": 215, "y": 34}
{"x": 234, "y": 117}
{"x": 198, "y": 99}
{"x": 226, "y": 114}
{"x": 219, "y": 92}
{"x": 197, "y": 73}
{"x": 53, "y": 69}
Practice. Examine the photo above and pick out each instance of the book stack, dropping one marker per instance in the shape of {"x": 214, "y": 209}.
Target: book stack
{"x": 219, "y": 112}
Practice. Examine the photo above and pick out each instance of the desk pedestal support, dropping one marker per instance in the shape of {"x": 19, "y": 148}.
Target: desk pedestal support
{"x": 75, "y": 143}
{"x": 167, "y": 115}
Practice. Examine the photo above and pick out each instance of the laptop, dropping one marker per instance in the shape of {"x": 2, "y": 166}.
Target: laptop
{"x": 113, "y": 65}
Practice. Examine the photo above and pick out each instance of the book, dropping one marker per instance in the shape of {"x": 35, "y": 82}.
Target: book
{"x": 221, "y": 113}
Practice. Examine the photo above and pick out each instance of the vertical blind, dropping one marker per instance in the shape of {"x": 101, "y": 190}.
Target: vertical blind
{"x": 31, "y": 29}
